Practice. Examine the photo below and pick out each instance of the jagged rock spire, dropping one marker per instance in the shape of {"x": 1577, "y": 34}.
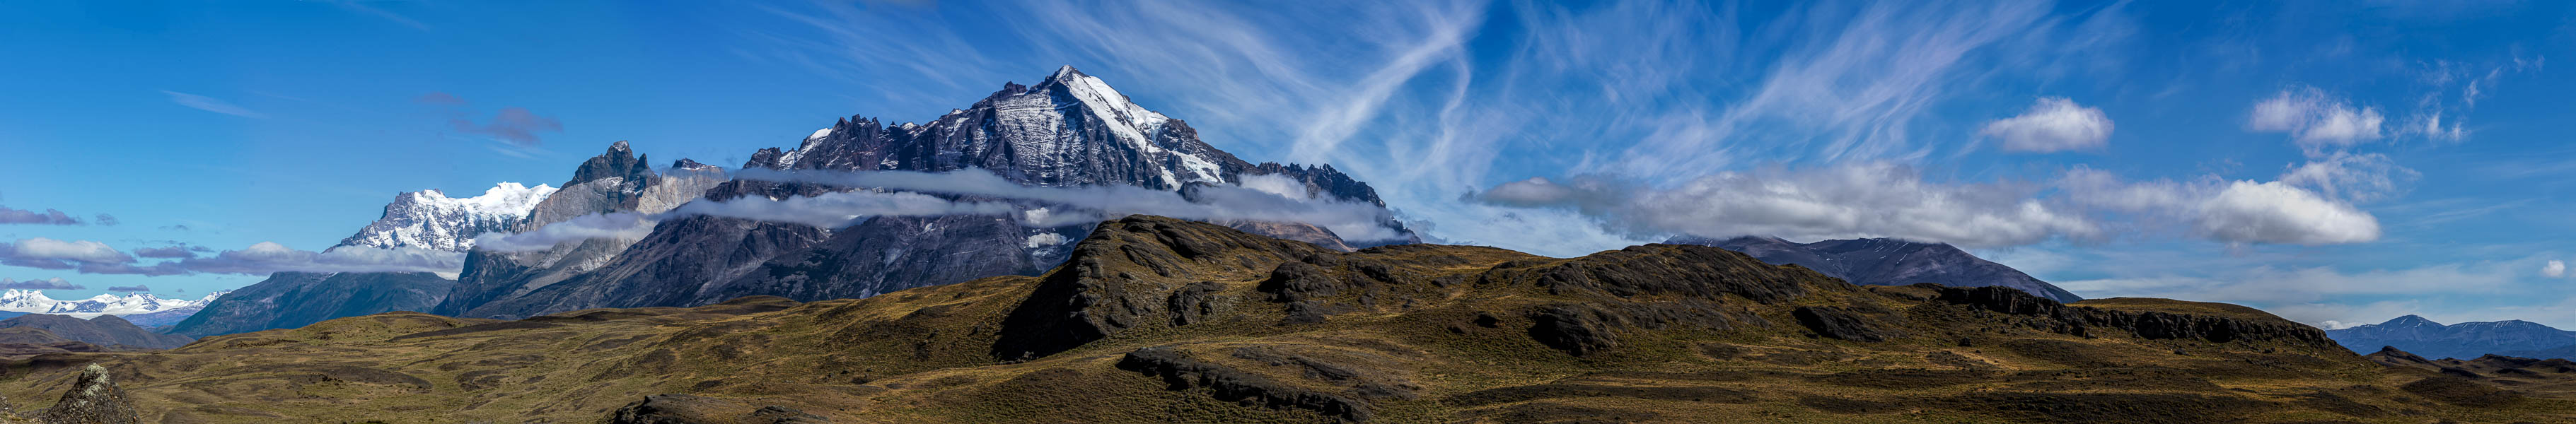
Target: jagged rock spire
{"x": 620, "y": 161}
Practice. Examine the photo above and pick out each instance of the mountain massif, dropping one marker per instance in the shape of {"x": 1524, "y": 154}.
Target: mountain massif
{"x": 1069, "y": 130}
{"x": 1888, "y": 262}
{"x": 1160, "y": 320}
{"x": 2463, "y": 340}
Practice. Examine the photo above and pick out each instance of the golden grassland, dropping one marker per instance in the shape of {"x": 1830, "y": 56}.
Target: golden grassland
{"x": 1422, "y": 334}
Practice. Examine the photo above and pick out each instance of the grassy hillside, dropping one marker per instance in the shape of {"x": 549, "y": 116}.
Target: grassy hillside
{"x": 1159, "y": 320}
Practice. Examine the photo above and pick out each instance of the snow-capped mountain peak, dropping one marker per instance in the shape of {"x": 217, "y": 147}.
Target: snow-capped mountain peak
{"x": 429, "y": 219}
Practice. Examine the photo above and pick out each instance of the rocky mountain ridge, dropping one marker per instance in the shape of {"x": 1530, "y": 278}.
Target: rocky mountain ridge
{"x": 2464, "y": 340}
{"x": 1889, "y": 262}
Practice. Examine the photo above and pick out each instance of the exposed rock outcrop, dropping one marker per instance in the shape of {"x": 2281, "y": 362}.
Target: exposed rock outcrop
{"x": 2082, "y": 320}
{"x": 676, "y": 408}
{"x": 1182, "y": 372}
{"x": 93, "y": 399}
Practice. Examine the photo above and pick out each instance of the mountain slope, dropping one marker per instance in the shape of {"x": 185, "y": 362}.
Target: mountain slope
{"x": 1889, "y": 262}
{"x": 1161, "y": 320}
{"x": 2464, "y": 340}
{"x": 296, "y": 299}
{"x": 1069, "y": 129}
{"x": 105, "y": 330}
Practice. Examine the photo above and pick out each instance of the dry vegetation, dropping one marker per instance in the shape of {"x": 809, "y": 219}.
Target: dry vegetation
{"x": 1158, "y": 320}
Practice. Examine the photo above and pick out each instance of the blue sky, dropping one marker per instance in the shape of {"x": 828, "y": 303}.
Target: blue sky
{"x": 2327, "y": 161}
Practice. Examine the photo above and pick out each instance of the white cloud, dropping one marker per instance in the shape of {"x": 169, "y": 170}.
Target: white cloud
{"x": 211, "y": 104}
{"x": 85, "y": 251}
{"x": 1865, "y": 200}
{"x": 2554, "y": 269}
{"x": 2315, "y": 120}
{"x": 2273, "y": 212}
{"x": 269, "y": 257}
{"x": 2246, "y": 212}
{"x": 2053, "y": 124}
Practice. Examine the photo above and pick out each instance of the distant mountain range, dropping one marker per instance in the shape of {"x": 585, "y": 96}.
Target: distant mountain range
{"x": 106, "y": 330}
{"x": 131, "y": 305}
{"x": 1888, "y": 262}
{"x": 2463, "y": 340}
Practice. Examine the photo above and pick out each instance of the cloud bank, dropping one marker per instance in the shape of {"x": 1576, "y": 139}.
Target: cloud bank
{"x": 901, "y": 193}
{"x": 1863, "y": 200}
{"x": 91, "y": 257}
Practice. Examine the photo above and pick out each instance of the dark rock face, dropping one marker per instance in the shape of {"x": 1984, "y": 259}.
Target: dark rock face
{"x": 2463, "y": 340}
{"x": 93, "y": 399}
{"x": 691, "y": 409}
{"x": 105, "y": 330}
{"x": 1185, "y": 373}
{"x": 2082, "y": 320}
{"x": 296, "y": 299}
{"x": 1889, "y": 262}
{"x": 1834, "y": 322}
{"x": 1065, "y": 131}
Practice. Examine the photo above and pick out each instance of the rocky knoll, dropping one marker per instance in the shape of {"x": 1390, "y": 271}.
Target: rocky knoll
{"x": 1161, "y": 320}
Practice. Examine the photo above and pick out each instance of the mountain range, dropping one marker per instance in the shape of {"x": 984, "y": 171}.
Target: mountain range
{"x": 1151, "y": 319}
{"x": 1069, "y": 130}
{"x": 1888, "y": 262}
{"x": 132, "y": 305}
{"x": 104, "y": 330}
{"x": 2463, "y": 340}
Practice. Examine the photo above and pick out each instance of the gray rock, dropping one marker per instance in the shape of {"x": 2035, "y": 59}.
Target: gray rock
{"x": 93, "y": 399}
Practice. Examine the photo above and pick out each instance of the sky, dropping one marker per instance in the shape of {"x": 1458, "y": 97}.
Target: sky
{"x": 2331, "y": 162}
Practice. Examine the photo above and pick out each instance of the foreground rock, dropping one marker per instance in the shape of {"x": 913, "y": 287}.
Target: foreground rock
{"x": 93, "y": 399}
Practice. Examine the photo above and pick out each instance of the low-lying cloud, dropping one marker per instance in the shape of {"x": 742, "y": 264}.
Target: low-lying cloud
{"x": 91, "y": 257}
{"x": 1864, "y": 200}
{"x": 1351, "y": 220}
{"x": 1886, "y": 200}
{"x": 978, "y": 192}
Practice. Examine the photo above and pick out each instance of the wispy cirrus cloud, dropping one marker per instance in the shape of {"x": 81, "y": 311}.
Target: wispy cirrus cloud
{"x": 211, "y": 104}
